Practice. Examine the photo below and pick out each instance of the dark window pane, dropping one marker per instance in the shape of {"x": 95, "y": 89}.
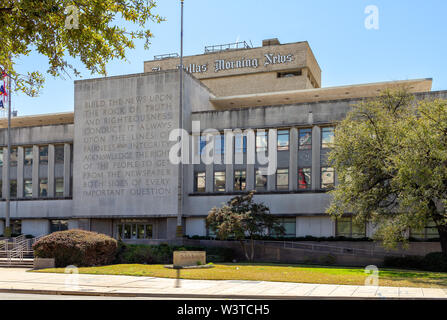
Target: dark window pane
{"x": 240, "y": 143}
{"x": 239, "y": 180}
{"x": 43, "y": 188}
{"x": 59, "y": 154}
{"x": 219, "y": 181}
{"x": 59, "y": 187}
{"x": 199, "y": 182}
{"x": 327, "y": 137}
{"x": 261, "y": 141}
{"x": 283, "y": 140}
{"x": 28, "y": 161}
{"x": 327, "y": 178}
{"x": 304, "y": 178}
{"x": 28, "y": 188}
{"x": 13, "y": 189}
{"x": 282, "y": 179}
{"x": 305, "y": 139}
{"x": 43, "y": 155}
{"x": 261, "y": 181}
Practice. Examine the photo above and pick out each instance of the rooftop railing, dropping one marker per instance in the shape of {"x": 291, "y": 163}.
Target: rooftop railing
{"x": 227, "y": 46}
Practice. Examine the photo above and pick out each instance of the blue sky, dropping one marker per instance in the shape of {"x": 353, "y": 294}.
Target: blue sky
{"x": 411, "y": 41}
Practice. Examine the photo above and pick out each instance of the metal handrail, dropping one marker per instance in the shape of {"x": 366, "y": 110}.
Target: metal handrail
{"x": 166, "y": 56}
{"x": 326, "y": 248}
{"x": 227, "y": 46}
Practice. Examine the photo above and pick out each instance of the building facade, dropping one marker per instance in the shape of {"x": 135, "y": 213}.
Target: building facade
{"x": 108, "y": 166}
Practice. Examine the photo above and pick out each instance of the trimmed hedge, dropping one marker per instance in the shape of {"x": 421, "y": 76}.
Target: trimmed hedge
{"x": 433, "y": 261}
{"x": 77, "y": 247}
{"x": 163, "y": 253}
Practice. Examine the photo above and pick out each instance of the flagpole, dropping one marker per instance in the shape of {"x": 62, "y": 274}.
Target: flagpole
{"x": 179, "y": 229}
{"x": 8, "y": 165}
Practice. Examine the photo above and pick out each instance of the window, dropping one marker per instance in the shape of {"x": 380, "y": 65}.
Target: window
{"x": 43, "y": 155}
{"x": 305, "y": 139}
{"x": 14, "y": 157}
{"x": 58, "y": 225}
{"x": 327, "y": 137}
{"x": 16, "y": 227}
{"x": 327, "y": 178}
{"x": 219, "y": 144}
{"x": 282, "y": 179}
{"x": 283, "y": 140}
{"x": 59, "y": 153}
{"x": 239, "y": 180}
{"x": 27, "y": 188}
{"x": 59, "y": 187}
{"x": 1, "y": 156}
{"x": 240, "y": 143}
{"x": 199, "y": 182}
{"x": 28, "y": 156}
{"x": 304, "y": 178}
{"x": 430, "y": 231}
{"x": 134, "y": 231}
{"x": 43, "y": 188}
{"x": 289, "y": 74}
{"x": 345, "y": 227}
{"x": 261, "y": 181}
{"x": 13, "y": 189}
{"x": 261, "y": 141}
{"x": 219, "y": 181}
{"x": 202, "y": 144}
{"x": 289, "y": 225}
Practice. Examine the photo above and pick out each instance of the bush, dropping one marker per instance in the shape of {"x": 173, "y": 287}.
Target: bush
{"x": 163, "y": 253}
{"x": 77, "y": 247}
{"x": 433, "y": 261}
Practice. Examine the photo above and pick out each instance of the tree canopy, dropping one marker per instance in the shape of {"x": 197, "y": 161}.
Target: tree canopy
{"x": 390, "y": 156}
{"x": 240, "y": 218}
{"x": 87, "y": 30}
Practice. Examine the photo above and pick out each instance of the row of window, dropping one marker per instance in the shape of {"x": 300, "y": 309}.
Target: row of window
{"x": 28, "y": 188}
{"x": 134, "y": 231}
{"x": 28, "y": 155}
{"x": 283, "y": 140}
{"x": 346, "y": 228}
{"x": 282, "y": 180}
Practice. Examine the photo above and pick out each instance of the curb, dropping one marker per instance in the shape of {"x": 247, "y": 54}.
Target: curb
{"x": 203, "y": 296}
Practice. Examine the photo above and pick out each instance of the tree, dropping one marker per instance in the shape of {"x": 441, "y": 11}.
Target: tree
{"x": 241, "y": 217}
{"x": 58, "y": 29}
{"x": 390, "y": 155}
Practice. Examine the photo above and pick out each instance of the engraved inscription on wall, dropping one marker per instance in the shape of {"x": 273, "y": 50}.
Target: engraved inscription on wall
{"x": 122, "y": 149}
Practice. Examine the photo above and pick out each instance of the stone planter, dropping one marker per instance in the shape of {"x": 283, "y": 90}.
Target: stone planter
{"x": 43, "y": 263}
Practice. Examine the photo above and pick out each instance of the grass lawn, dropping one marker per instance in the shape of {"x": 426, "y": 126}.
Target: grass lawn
{"x": 276, "y": 272}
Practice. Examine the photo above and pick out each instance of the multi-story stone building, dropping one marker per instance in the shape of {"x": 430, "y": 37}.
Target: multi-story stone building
{"x": 107, "y": 166}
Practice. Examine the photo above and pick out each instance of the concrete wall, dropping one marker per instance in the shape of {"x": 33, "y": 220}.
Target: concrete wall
{"x": 315, "y": 226}
{"x": 195, "y": 227}
{"x": 54, "y": 209}
{"x": 35, "y": 227}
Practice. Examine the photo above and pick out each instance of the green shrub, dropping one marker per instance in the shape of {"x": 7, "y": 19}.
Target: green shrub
{"x": 163, "y": 253}
{"x": 433, "y": 261}
{"x": 77, "y": 247}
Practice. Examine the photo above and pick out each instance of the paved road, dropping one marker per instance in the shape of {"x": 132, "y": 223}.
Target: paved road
{"x": 21, "y": 281}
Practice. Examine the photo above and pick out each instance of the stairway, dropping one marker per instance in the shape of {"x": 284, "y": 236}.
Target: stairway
{"x": 17, "y": 253}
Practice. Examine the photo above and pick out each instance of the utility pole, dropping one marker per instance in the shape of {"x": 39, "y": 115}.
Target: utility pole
{"x": 179, "y": 228}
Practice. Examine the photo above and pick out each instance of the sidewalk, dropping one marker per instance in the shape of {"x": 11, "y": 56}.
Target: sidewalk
{"x": 18, "y": 280}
